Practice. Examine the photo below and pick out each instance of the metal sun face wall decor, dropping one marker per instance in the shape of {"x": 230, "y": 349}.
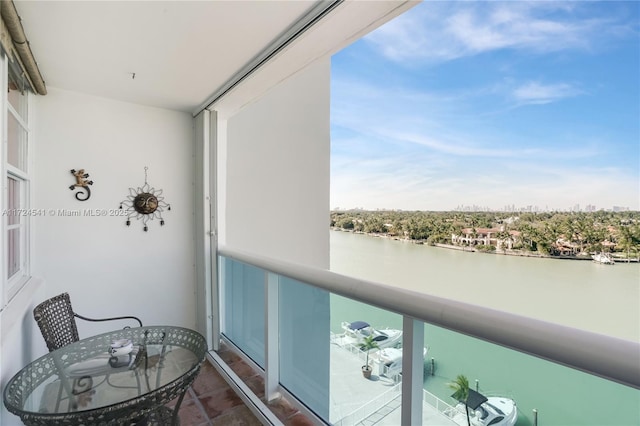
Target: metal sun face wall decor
{"x": 146, "y": 203}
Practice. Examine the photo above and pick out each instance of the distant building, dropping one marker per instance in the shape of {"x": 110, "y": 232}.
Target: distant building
{"x": 484, "y": 236}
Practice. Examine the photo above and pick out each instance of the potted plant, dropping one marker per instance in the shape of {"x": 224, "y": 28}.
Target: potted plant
{"x": 368, "y": 344}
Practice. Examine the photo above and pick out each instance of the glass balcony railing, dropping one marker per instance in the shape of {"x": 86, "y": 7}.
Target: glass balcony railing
{"x": 243, "y": 324}
{"x": 304, "y": 328}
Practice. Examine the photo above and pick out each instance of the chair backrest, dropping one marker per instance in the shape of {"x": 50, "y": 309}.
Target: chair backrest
{"x": 56, "y": 321}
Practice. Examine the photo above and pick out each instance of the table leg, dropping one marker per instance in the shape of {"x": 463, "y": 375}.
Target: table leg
{"x": 175, "y": 420}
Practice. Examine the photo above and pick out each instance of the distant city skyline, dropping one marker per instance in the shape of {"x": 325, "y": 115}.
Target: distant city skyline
{"x": 589, "y": 208}
{"x": 490, "y": 104}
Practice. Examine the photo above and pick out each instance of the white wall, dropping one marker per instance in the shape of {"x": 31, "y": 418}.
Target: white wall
{"x": 108, "y": 268}
{"x": 276, "y": 171}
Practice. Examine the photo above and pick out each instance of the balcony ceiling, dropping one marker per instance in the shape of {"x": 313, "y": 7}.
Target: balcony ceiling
{"x": 179, "y": 51}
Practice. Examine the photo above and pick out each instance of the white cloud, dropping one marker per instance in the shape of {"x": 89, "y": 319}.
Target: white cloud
{"x": 440, "y": 124}
{"x": 514, "y": 26}
{"x": 534, "y": 92}
{"x": 442, "y": 31}
{"x": 455, "y": 147}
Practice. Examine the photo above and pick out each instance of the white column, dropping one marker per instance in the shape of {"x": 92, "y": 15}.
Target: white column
{"x": 204, "y": 229}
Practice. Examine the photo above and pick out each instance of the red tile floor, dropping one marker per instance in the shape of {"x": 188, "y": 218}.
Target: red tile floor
{"x": 210, "y": 401}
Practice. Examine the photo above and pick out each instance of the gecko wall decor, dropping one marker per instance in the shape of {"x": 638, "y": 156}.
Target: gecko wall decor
{"x": 145, "y": 203}
{"x": 81, "y": 182}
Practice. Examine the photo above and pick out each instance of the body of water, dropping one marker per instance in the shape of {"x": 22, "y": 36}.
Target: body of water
{"x": 581, "y": 294}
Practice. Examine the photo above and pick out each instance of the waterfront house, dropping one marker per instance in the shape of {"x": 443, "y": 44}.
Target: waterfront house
{"x": 485, "y": 236}
{"x": 476, "y": 236}
{"x": 563, "y": 248}
{"x": 224, "y": 106}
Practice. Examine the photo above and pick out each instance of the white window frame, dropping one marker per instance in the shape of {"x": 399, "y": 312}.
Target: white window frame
{"x": 11, "y": 285}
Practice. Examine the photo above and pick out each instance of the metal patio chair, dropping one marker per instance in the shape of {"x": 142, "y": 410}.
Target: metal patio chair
{"x": 57, "y": 321}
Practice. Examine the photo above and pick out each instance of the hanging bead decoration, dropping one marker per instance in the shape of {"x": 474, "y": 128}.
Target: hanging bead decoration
{"x": 145, "y": 203}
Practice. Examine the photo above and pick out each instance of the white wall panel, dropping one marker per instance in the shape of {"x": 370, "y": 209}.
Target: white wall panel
{"x": 277, "y": 171}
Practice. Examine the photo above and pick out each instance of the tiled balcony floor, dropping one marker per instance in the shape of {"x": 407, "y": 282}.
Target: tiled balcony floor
{"x": 211, "y": 401}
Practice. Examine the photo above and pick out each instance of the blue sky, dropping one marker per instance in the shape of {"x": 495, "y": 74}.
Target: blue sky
{"x": 490, "y": 104}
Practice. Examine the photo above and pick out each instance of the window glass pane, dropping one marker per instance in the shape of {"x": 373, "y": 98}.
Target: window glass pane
{"x": 13, "y": 201}
{"x": 17, "y": 143}
{"x": 18, "y": 98}
{"x": 13, "y": 251}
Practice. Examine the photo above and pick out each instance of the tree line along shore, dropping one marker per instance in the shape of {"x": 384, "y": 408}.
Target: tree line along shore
{"x": 569, "y": 235}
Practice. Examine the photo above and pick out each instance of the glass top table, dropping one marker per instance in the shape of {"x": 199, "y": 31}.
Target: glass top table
{"x": 84, "y": 384}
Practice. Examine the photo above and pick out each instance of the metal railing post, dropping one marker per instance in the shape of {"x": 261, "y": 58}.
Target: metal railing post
{"x": 412, "y": 370}
{"x": 271, "y": 333}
